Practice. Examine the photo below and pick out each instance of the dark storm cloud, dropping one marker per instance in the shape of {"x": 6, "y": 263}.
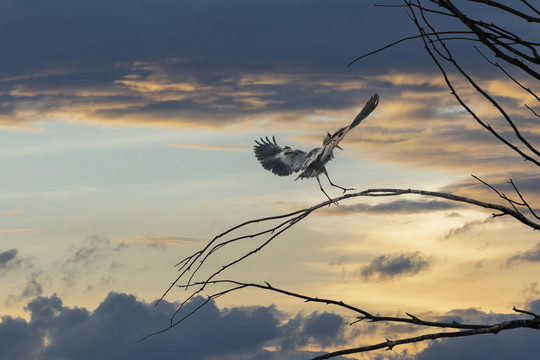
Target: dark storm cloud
{"x": 394, "y": 265}
{"x": 396, "y": 207}
{"x": 532, "y": 255}
{"x": 55, "y": 331}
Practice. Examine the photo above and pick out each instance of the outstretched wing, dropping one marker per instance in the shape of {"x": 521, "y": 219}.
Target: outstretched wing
{"x": 331, "y": 141}
{"x": 280, "y": 161}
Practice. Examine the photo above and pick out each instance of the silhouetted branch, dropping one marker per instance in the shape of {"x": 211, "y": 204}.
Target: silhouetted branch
{"x": 448, "y": 57}
{"x": 491, "y": 41}
{"x": 534, "y": 112}
{"x": 411, "y": 38}
{"x": 508, "y": 75}
{"x": 465, "y": 329}
{"x": 389, "y": 344}
{"x": 291, "y": 219}
{"x": 530, "y": 6}
{"x": 501, "y": 43}
{"x": 508, "y": 9}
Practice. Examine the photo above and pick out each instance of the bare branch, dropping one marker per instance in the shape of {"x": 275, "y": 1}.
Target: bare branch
{"x": 508, "y": 9}
{"x": 448, "y": 56}
{"x": 411, "y": 38}
{"x": 484, "y": 38}
{"x": 472, "y": 329}
{"x": 534, "y": 112}
{"x": 297, "y": 216}
{"x": 531, "y": 7}
{"x": 536, "y": 316}
{"x": 389, "y": 344}
{"x": 525, "y": 203}
{"x": 507, "y": 74}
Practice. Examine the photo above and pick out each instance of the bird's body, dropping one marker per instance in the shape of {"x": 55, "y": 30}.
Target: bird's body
{"x": 284, "y": 161}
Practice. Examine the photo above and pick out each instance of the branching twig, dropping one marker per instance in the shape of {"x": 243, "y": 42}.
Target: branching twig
{"x": 410, "y": 38}
{"x": 448, "y": 56}
{"x": 292, "y": 219}
{"x": 389, "y": 344}
{"x": 466, "y": 329}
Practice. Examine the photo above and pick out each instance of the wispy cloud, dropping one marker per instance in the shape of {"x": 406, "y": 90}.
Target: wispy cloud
{"x": 532, "y": 255}
{"x": 211, "y": 147}
{"x": 467, "y": 228}
{"x": 402, "y": 206}
{"x": 162, "y": 241}
{"x": 12, "y": 212}
{"x": 32, "y": 289}
{"x": 92, "y": 253}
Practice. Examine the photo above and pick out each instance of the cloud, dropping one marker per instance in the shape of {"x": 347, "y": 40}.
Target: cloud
{"x": 394, "y": 265}
{"x": 532, "y": 255}
{"x": 55, "y": 331}
{"x": 511, "y": 344}
{"x": 402, "y": 206}
{"x": 93, "y": 248}
{"x": 32, "y": 289}
{"x": 514, "y": 344}
{"x": 179, "y": 64}
{"x": 91, "y": 253}
{"x": 12, "y": 212}
{"x": 325, "y": 329}
{"x": 212, "y": 147}
{"x": 163, "y": 241}
{"x": 230, "y": 66}
{"x": 10, "y": 261}
{"x": 467, "y": 228}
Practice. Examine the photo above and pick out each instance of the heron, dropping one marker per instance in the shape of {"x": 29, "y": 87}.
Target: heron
{"x": 283, "y": 161}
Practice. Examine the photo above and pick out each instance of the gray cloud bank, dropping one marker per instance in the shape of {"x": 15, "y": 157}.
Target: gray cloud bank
{"x": 513, "y": 344}
{"x": 55, "y": 331}
{"x": 192, "y": 63}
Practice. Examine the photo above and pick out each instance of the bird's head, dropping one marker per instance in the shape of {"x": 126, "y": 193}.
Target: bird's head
{"x": 329, "y": 138}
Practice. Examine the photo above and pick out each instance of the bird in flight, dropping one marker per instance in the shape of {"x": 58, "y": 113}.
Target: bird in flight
{"x": 283, "y": 161}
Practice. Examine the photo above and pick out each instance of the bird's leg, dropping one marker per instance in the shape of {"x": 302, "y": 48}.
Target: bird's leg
{"x": 329, "y": 198}
{"x": 331, "y": 183}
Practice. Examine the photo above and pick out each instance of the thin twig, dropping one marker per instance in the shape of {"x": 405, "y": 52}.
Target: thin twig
{"x": 389, "y": 344}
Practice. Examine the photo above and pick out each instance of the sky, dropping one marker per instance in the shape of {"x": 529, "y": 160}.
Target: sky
{"x": 126, "y": 144}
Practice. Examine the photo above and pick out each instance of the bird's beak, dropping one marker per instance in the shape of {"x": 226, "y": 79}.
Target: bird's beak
{"x": 339, "y": 147}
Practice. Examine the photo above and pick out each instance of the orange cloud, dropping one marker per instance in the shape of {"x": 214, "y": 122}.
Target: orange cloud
{"x": 12, "y": 212}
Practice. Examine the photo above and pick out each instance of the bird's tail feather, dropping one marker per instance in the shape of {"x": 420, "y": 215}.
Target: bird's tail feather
{"x": 371, "y": 104}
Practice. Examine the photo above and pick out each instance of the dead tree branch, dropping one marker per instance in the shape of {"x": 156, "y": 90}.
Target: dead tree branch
{"x": 464, "y": 329}
{"x": 191, "y": 265}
